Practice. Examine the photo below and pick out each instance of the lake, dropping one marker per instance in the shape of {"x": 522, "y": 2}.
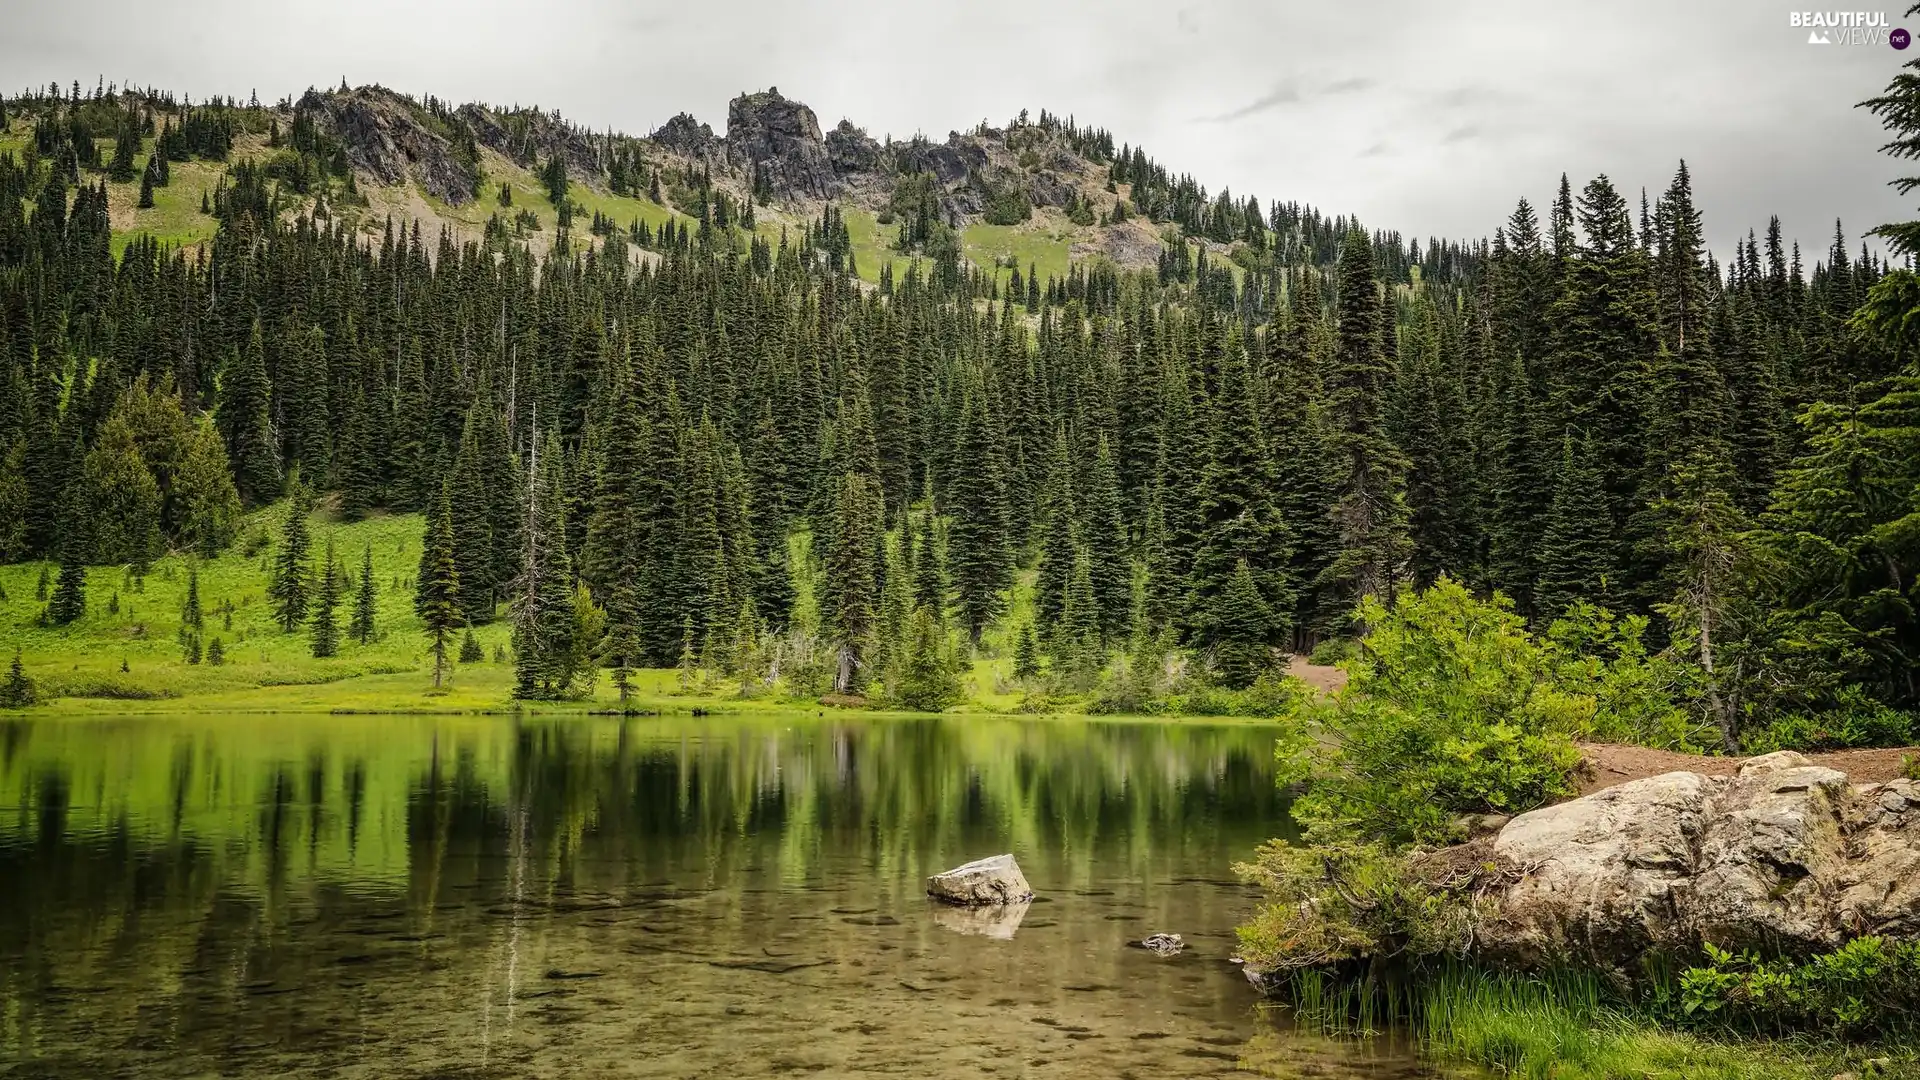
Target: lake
{"x": 451, "y": 897}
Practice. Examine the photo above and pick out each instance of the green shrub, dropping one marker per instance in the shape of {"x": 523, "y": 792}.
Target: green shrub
{"x": 1452, "y": 708}
{"x": 1331, "y": 651}
{"x": 1868, "y": 987}
{"x": 1856, "y": 720}
{"x": 1335, "y": 903}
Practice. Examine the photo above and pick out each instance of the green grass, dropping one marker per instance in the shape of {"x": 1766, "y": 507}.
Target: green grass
{"x": 174, "y": 218}
{"x": 873, "y": 245}
{"x": 1566, "y": 1027}
{"x": 79, "y": 666}
{"x": 1037, "y": 244}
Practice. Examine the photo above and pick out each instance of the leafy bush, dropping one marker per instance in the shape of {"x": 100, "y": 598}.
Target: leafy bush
{"x": 1868, "y": 987}
{"x": 1856, "y": 720}
{"x": 1345, "y": 901}
{"x": 1450, "y": 708}
{"x": 1333, "y": 650}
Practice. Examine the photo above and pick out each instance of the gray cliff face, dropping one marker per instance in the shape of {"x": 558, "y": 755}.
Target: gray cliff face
{"x": 779, "y": 140}
{"x": 387, "y": 137}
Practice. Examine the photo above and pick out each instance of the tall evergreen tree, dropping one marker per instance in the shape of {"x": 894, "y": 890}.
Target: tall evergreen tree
{"x": 1370, "y": 515}
{"x": 326, "y": 599}
{"x": 436, "y": 596}
{"x": 246, "y": 398}
{"x": 290, "y": 589}
{"x": 361, "y": 628}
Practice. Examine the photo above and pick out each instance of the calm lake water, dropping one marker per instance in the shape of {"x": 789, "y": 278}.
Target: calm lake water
{"x": 711, "y": 897}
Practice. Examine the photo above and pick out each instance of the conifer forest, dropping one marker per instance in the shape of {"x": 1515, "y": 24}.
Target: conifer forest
{"x": 616, "y": 441}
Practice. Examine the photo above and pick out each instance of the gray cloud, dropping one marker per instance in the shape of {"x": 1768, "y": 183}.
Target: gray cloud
{"x": 1461, "y": 134}
{"x": 1289, "y": 92}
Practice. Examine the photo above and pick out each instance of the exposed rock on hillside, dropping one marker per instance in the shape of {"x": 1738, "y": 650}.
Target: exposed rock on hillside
{"x": 394, "y": 140}
{"x": 779, "y": 140}
{"x": 686, "y": 136}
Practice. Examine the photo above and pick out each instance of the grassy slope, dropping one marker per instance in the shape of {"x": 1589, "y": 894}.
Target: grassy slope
{"x": 266, "y": 670}
{"x": 270, "y": 671}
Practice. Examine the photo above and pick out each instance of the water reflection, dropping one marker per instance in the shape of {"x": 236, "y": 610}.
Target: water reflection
{"x": 434, "y": 897}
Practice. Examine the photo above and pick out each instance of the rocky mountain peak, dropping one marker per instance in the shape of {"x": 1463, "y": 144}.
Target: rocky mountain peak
{"x": 778, "y": 140}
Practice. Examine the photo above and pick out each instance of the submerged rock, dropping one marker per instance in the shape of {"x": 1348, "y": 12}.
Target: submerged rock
{"x": 997, "y": 921}
{"x": 1164, "y": 944}
{"x": 993, "y": 880}
{"x": 1785, "y": 856}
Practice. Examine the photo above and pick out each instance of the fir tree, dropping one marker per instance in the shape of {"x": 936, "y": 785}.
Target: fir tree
{"x": 1576, "y": 541}
{"x": 928, "y": 681}
{"x": 1370, "y": 514}
{"x": 192, "y": 618}
{"x": 1242, "y": 649}
{"x": 436, "y": 595}
{"x": 326, "y": 628}
{"x": 290, "y": 589}
{"x": 1026, "y": 653}
{"x": 361, "y": 628}
{"x": 543, "y": 615}
{"x": 69, "y": 600}
{"x": 470, "y": 650}
{"x": 216, "y": 653}
{"x": 18, "y": 691}
{"x": 246, "y": 399}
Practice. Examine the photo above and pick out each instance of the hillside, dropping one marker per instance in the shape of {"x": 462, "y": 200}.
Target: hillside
{"x": 1032, "y": 194}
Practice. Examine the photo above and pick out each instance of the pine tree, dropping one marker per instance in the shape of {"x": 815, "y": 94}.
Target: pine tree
{"x": 1105, "y": 527}
{"x": 470, "y": 650}
{"x": 192, "y": 618}
{"x": 981, "y": 556}
{"x": 1026, "y": 653}
{"x": 69, "y": 600}
{"x": 1576, "y": 542}
{"x": 326, "y": 628}
{"x": 246, "y": 399}
{"x": 928, "y": 680}
{"x": 436, "y": 595}
{"x": 361, "y": 628}
{"x": 850, "y": 553}
{"x": 1238, "y": 524}
{"x": 290, "y": 589}
{"x": 1370, "y": 514}
{"x": 216, "y": 653}
{"x": 1242, "y": 647}
{"x": 543, "y": 613}
{"x": 18, "y": 691}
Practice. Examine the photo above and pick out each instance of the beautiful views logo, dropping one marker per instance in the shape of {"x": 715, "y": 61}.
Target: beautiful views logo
{"x": 1847, "y": 28}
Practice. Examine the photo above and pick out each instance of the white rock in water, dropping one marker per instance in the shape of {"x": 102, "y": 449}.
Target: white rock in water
{"x": 993, "y": 880}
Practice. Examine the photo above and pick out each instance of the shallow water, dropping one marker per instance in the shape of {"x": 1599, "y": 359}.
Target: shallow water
{"x": 468, "y": 898}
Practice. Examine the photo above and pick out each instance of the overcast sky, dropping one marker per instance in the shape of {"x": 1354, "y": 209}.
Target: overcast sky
{"x": 1426, "y": 117}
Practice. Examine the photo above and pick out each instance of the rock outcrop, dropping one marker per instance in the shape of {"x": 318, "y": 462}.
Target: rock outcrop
{"x": 778, "y": 140}
{"x": 993, "y": 880}
{"x": 393, "y": 139}
{"x": 1784, "y": 857}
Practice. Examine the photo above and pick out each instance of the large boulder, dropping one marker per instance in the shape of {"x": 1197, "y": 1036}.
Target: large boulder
{"x": 993, "y": 880}
{"x": 1785, "y": 856}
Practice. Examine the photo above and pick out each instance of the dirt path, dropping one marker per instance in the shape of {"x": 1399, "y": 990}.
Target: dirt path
{"x": 1321, "y": 677}
{"x": 1615, "y": 764}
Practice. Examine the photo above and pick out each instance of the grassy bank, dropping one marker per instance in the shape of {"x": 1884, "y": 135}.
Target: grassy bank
{"x": 125, "y": 654}
{"x": 1568, "y": 1026}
